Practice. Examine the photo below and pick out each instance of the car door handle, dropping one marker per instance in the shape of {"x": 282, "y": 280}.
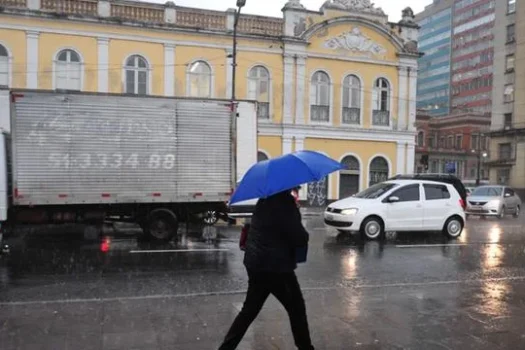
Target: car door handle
{"x": 419, "y": 206}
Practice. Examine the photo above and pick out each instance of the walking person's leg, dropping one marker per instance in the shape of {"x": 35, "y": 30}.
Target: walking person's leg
{"x": 258, "y": 292}
{"x": 288, "y": 292}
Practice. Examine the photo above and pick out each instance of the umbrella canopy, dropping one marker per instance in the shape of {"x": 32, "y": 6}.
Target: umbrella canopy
{"x": 284, "y": 173}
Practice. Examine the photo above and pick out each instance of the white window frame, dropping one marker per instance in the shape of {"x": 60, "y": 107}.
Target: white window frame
{"x": 9, "y": 64}
{"x": 56, "y": 64}
{"x": 361, "y": 171}
{"x": 189, "y": 75}
{"x": 390, "y": 170}
{"x": 270, "y": 90}
{"x": 148, "y": 69}
{"x": 390, "y": 104}
{"x": 330, "y": 98}
{"x": 361, "y": 97}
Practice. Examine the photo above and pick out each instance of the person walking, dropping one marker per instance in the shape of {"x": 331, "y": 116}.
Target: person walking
{"x": 270, "y": 259}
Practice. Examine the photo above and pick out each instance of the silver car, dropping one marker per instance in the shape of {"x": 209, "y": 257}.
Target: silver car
{"x": 495, "y": 201}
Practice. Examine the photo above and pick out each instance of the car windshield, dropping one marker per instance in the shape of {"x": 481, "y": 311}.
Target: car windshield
{"x": 488, "y": 191}
{"x": 376, "y": 191}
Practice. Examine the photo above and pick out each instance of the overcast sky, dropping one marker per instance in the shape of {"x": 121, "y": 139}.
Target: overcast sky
{"x": 392, "y": 8}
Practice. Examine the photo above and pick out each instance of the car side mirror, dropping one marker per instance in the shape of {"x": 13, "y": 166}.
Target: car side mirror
{"x": 507, "y": 195}
{"x": 393, "y": 199}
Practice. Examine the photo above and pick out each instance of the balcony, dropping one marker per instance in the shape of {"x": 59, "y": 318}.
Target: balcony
{"x": 381, "y": 118}
{"x": 351, "y": 116}
{"x": 320, "y": 114}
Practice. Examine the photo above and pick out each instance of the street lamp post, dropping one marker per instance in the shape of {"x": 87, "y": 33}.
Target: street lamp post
{"x": 240, "y": 5}
{"x": 479, "y": 155}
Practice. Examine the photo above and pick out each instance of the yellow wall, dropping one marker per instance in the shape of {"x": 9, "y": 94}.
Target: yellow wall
{"x": 13, "y": 40}
{"x": 368, "y": 74}
{"x": 185, "y": 55}
{"x": 50, "y": 44}
{"x": 364, "y": 150}
{"x": 272, "y": 145}
{"x": 119, "y": 50}
{"x": 317, "y": 42}
{"x": 274, "y": 64}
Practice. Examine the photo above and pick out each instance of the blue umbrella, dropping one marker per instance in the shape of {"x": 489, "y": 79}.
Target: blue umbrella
{"x": 284, "y": 173}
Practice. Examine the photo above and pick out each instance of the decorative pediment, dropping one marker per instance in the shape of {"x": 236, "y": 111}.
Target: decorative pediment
{"x": 354, "y": 6}
{"x": 355, "y": 42}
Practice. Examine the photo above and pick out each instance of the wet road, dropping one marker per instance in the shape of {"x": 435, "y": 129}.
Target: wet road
{"x": 412, "y": 291}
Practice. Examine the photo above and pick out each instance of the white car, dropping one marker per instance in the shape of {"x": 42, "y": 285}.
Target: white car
{"x": 400, "y": 205}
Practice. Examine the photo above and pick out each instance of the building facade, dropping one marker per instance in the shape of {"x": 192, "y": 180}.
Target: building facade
{"x": 459, "y": 142}
{"x": 508, "y": 116}
{"x": 340, "y": 80}
{"x": 435, "y": 41}
{"x": 472, "y": 56}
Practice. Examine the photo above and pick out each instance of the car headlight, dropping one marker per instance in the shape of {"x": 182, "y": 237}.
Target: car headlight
{"x": 494, "y": 203}
{"x": 351, "y": 211}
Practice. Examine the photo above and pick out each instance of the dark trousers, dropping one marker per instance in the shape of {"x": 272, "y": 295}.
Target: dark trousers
{"x": 285, "y": 287}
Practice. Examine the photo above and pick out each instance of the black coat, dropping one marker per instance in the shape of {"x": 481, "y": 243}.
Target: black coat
{"x": 275, "y": 233}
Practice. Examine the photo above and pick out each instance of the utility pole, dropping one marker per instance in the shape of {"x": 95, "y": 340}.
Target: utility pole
{"x": 480, "y": 154}
{"x": 240, "y": 5}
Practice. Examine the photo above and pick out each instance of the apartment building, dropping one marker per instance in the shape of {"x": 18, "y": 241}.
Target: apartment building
{"x": 435, "y": 39}
{"x": 507, "y": 162}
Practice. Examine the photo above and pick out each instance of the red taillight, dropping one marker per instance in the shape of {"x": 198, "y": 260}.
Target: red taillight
{"x": 105, "y": 245}
{"x": 462, "y": 203}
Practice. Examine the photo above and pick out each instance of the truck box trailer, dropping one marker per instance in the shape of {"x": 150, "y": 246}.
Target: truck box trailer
{"x": 85, "y": 157}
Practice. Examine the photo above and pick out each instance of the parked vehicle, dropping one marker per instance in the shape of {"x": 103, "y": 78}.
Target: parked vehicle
{"x": 89, "y": 158}
{"x": 495, "y": 201}
{"x": 445, "y": 178}
{"x": 400, "y": 205}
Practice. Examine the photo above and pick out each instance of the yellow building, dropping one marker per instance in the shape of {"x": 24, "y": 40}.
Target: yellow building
{"x": 341, "y": 80}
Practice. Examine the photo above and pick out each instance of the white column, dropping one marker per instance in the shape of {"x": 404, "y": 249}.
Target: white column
{"x": 402, "y": 120}
{"x": 169, "y": 70}
{"x": 412, "y": 85}
{"x": 300, "y": 80}
{"x": 287, "y": 144}
{"x": 411, "y": 158}
{"x": 229, "y": 73}
{"x": 400, "y": 169}
{"x": 103, "y": 64}
{"x": 288, "y": 89}
{"x": 32, "y": 59}
{"x": 299, "y": 146}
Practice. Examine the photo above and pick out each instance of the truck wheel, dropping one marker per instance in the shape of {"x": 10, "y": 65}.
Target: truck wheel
{"x": 211, "y": 217}
{"x": 162, "y": 224}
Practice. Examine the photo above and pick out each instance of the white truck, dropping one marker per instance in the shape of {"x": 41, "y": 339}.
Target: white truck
{"x": 86, "y": 158}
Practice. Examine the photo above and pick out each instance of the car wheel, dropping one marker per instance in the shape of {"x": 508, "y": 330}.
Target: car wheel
{"x": 453, "y": 227}
{"x": 501, "y": 214}
{"x": 517, "y": 212}
{"x": 372, "y": 228}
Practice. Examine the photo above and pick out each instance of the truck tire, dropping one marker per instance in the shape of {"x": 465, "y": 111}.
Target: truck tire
{"x": 162, "y": 225}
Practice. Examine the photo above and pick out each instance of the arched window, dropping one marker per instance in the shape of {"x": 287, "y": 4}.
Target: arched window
{"x": 378, "y": 170}
{"x": 320, "y": 97}
{"x": 136, "y": 75}
{"x": 199, "y": 80}
{"x": 261, "y": 156}
{"x": 381, "y": 100}
{"x": 351, "y": 100}
{"x": 420, "y": 139}
{"x": 4, "y": 66}
{"x": 349, "y": 178}
{"x": 259, "y": 90}
{"x": 68, "y": 71}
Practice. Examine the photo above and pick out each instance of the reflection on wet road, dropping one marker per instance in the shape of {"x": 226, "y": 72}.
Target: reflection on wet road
{"x": 413, "y": 291}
